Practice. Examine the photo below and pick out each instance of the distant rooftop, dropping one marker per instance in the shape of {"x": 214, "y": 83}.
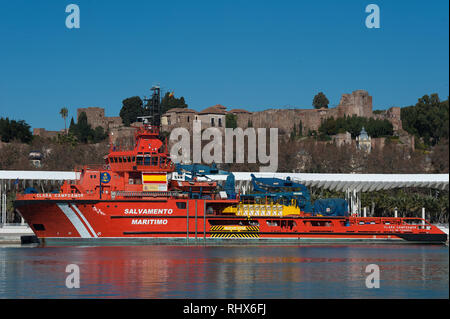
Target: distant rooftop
{"x": 181, "y": 110}
{"x": 216, "y": 109}
{"x": 239, "y": 111}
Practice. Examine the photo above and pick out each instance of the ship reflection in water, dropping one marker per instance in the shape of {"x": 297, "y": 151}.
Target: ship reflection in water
{"x": 225, "y": 271}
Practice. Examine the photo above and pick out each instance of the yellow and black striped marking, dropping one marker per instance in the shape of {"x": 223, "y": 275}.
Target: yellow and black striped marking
{"x": 234, "y": 228}
{"x": 216, "y": 228}
{"x": 235, "y": 235}
{"x": 229, "y": 231}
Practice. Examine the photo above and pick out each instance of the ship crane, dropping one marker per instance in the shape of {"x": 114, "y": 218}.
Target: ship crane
{"x": 280, "y": 189}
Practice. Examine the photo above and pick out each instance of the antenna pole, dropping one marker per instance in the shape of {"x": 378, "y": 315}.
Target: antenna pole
{"x": 153, "y": 105}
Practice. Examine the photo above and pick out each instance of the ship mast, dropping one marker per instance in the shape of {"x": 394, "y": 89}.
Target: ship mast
{"x": 152, "y": 109}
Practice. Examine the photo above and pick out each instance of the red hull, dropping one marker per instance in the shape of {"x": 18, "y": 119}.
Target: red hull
{"x": 173, "y": 218}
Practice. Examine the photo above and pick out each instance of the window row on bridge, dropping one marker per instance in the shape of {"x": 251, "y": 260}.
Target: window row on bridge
{"x": 140, "y": 160}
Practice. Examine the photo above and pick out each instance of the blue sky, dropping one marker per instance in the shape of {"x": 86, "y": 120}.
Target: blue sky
{"x": 242, "y": 54}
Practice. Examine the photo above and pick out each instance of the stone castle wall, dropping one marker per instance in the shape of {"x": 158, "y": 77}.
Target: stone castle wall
{"x": 42, "y": 132}
{"x": 359, "y": 103}
{"x": 393, "y": 115}
{"x": 286, "y": 119}
{"x": 96, "y": 117}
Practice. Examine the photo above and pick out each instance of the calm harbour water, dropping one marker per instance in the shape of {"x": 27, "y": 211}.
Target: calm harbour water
{"x": 158, "y": 271}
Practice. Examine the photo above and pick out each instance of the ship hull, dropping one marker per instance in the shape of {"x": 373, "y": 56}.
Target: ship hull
{"x": 185, "y": 221}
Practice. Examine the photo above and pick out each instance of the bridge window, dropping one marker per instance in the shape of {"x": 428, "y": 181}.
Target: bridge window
{"x": 147, "y": 160}
{"x": 139, "y": 160}
{"x": 155, "y": 161}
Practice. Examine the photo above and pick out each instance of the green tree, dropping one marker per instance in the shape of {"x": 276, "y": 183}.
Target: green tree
{"x": 169, "y": 101}
{"x": 231, "y": 121}
{"x": 68, "y": 138}
{"x": 293, "y": 133}
{"x": 428, "y": 119}
{"x": 131, "y": 109}
{"x": 83, "y": 129}
{"x": 64, "y": 112}
{"x": 84, "y": 132}
{"x": 320, "y": 101}
{"x": 354, "y": 125}
{"x": 72, "y": 126}
{"x": 99, "y": 134}
{"x": 15, "y": 130}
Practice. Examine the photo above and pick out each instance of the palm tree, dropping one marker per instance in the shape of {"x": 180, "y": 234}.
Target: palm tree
{"x": 64, "y": 112}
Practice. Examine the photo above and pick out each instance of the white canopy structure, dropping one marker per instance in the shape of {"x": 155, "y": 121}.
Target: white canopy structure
{"x": 37, "y": 175}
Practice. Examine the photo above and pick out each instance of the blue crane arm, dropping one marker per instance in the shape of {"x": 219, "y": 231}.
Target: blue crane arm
{"x": 277, "y": 189}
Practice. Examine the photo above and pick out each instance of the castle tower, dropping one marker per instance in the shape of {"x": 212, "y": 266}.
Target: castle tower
{"x": 358, "y": 103}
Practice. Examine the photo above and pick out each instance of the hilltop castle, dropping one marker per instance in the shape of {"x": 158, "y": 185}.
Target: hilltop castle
{"x": 358, "y": 103}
